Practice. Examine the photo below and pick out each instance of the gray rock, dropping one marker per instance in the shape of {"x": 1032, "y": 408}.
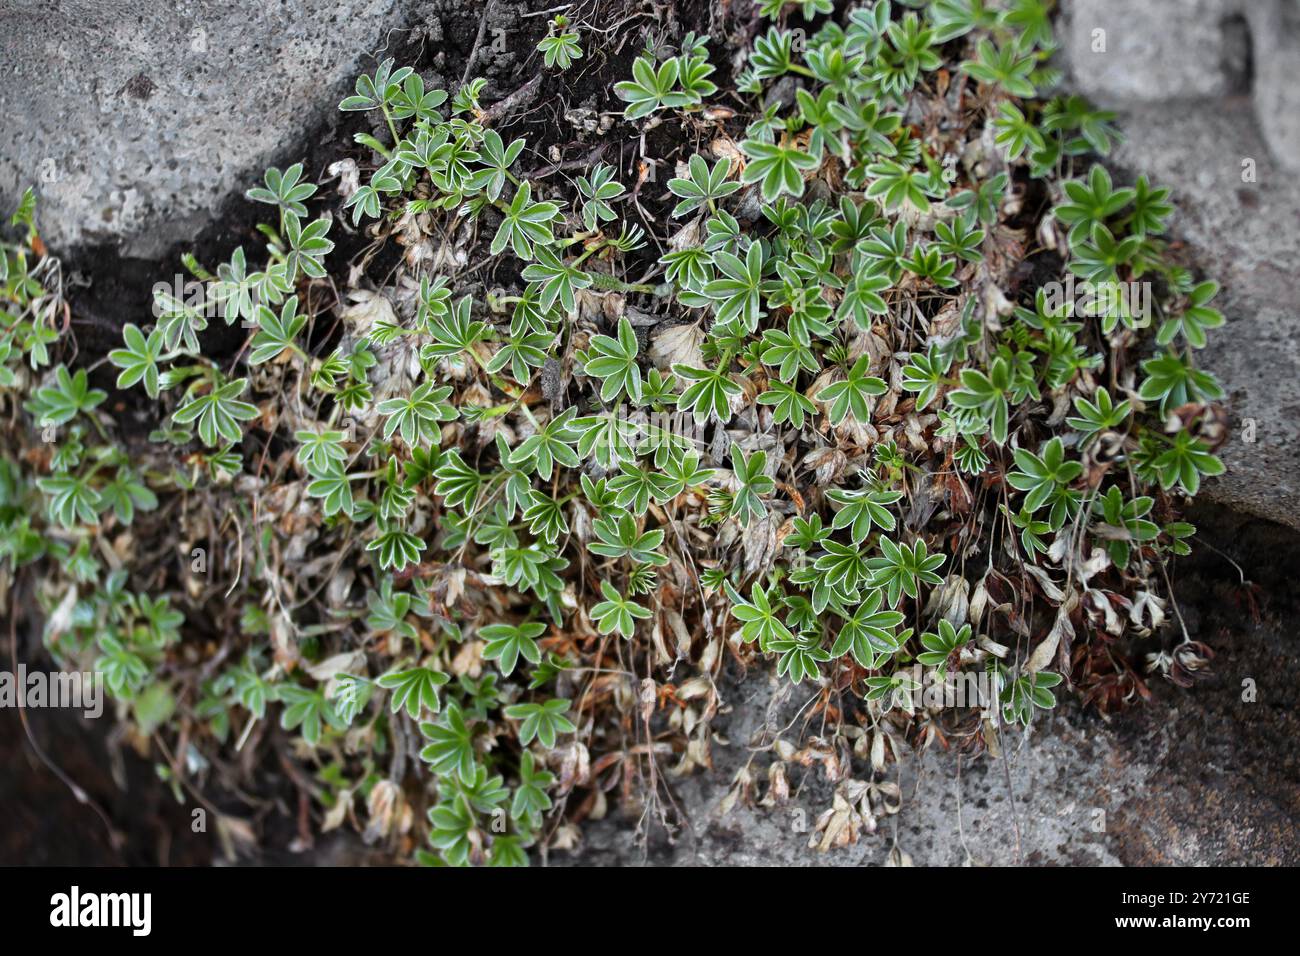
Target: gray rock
{"x": 1275, "y": 35}
{"x": 1126, "y": 54}
{"x": 1155, "y": 50}
{"x": 135, "y": 120}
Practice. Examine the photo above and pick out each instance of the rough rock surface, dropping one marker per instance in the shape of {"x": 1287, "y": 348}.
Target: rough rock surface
{"x": 1153, "y": 50}
{"x": 135, "y": 119}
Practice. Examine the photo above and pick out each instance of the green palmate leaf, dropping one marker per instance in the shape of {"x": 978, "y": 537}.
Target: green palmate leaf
{"x": 752, "y": 483}
{"x": 614, "y": 362}
{"x": 598, "y": 191}
{"x": 69, "y": 396}
{"x": 218, "y": 413}
{"x": 1014, "y": 133}
{"x": 541, "y": 451}
{"x": 179, "y": 321}
{"x": 784, "y": 351}
{"x": 1195, "y": 320}
{"x": 373, "y": 92}
{"x": 543, "y": 722}
{"x": 619, "y": 538}
{"x": 789, "y": 404}
{"x": 1043, "y": 478}
{"x": 778, "y": 169}
{"x": 987, "y": 396}
{"x": 285, "y": 190}
{"x": 702, "y": 187}
{"x": 506, "y": 643}
{"x": 276, "y": 333}
{"x": 895, "y": 184}
{"x": 1099, "y": 257}
{"x": 458, "y": 483}
{"x": 335, "y": 488}
{"x": 633, "y": 487}
{"x": 1026, "y": 692}
{"x": 843, "y": 566}
{"x": 925, "y": 374}
{"x": 559, "y": 50}
{"x": 415, "y": 689}
{"x": 940, "y": 645}
{"x": 902, "y": 569}
{"x": 758, "y": 617}
{"x": 1124, "y": 524}
{"x": 955, "y": 18}
{"x": 453, "y": 830}
{"x": 351, "y": 694}
{"x": 530, "y": 799}
{"x": 799, "y": 656}
{"x": 416, "y": 416}
{"x": 650, "y": 89}
{"x": 545, "y": 518}
{"x": 737, "y": 293}
{"x": 307, "y": 711}
{"x": 138, "y": 359}
{"x": 450, "y": 747}
{"x": 1004, "y": 66}
{"x": 708, "y": 393}
{"x": 1098, "y": 416}
{"x": 1185, "y": 462}
{"x": 124, "y": 671}
{"x": 454, "y": 331}
{"x": 853, "y": 395}
{"x": 863, "y": 299}
{"x": 985, "y": 201}
{"x": 71, "y": 499}
{"x": 388, "y": 611}
{"x": 1150, "y": 209}
{"x": 1090, "y": 204}
{"x": 558, "y": 281}
{"x": 322, "y": 451}
{"x": 861, "y": 510}
{"x": 412, "y": 100}
{"x": 397, "y": 549}
{"x": 960, "y": 237}
{"x": 525, "y": 224}
{"x": 1173, "y": 381}
{"x": 522, "y": 352}
{"x": 308, "y": 247}
{"x": 616, "y": 614}
{"x": 496, "y": 159}
{"x": 927, "y": 262}
{"x": 606, "y": 438}
{"x": 680, "y": 471}
{"x": 869, "y": 632}
{"x": 124, "y": 493}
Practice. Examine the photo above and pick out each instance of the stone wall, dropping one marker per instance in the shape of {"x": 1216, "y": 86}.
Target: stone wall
{"x": 136, "y": 119}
